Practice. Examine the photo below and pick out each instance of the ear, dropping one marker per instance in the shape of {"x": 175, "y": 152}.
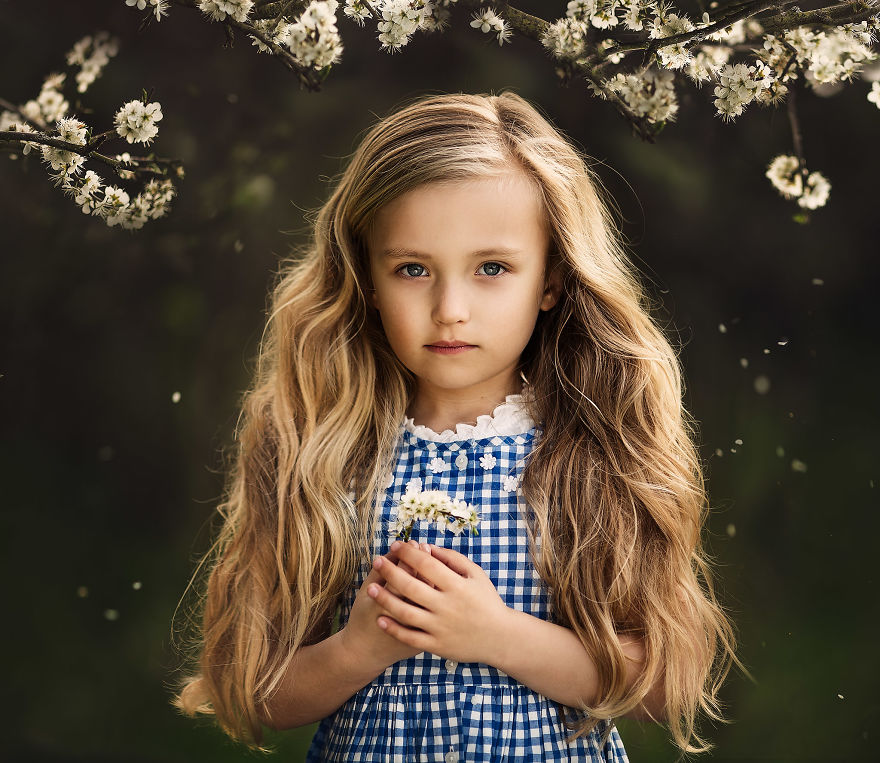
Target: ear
{"x": 552, "y": 289}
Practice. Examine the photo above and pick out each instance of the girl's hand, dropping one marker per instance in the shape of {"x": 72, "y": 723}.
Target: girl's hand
{"x": 451, "y": 609}
{"x": 362, "y": 637}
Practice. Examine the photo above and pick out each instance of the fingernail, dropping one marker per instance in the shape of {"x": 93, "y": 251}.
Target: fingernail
{"x": 383, "y": 625}
{"x": 373, "y": 590}
{"x": 396, "y": 545}
{"x": 377, "y": 562}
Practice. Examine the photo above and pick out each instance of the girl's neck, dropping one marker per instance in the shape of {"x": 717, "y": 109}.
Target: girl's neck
{"x": 440, "y": 412}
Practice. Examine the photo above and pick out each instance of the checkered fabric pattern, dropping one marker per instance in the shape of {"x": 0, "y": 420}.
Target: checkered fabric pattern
{"x": 427, "y": 708}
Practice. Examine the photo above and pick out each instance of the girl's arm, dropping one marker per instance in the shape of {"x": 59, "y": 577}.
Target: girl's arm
{"x": 551, "y": 660}
{"x": 322, "y": 676}
{"x": 461, "y": 616}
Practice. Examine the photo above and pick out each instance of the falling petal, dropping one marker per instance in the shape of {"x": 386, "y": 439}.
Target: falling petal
{"x": 731, "y": 530}
{"x": 733, "y": 450}
{"x": 782, "y": 341}
{"x": 82, "y": 592}
{"x": 175, "y": 397}
{"x": 719, "y": 452}
{"x": 780, "y": 451}
{"x": 722, "y": 328}
{"x": 762, "y": 384}
{"x": 744, "y": 362}
{"x": 738, "y": 441}
{"x": 798, "y": 466}
{"x": 136, "y": 585}
{"x": 840, "y": 696}
{"x": 818, "y": 282}
{"x": 766, "y": 351}
{"x": 111, "y": 614}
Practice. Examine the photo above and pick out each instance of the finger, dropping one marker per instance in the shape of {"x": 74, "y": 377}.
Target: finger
{"x": 414, "y": 638}
{"x": 401, "y": 611}
{"x": 416, "y": 590}
{"x": 453, "y": 560}
{"x": 430, "y": 569}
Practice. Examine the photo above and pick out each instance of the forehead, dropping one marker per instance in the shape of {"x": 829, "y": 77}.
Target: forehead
{"x": 483, "y": 212}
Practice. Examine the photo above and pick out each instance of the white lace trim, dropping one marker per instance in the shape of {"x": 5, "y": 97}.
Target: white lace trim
{"x": 509, "y": 418}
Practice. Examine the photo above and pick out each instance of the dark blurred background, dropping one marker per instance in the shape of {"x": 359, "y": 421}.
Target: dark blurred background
{"x": 110, "y": 486}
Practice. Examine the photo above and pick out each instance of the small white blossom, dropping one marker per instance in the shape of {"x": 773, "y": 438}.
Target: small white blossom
{"x": 357, "y": 11}
{"x": 784, "y": 173}
{"x": 438, "y": 465}
{"x": 136, "y": 121}
{"x": 218, "y": 10}
{"x": 605, "y": 16}
{"x": 874, "y": 95}
{"x": 581, "y": 10}
{"x": 487, "y": 20}
{"x": 509, "y": 484}
{"x": 816, "y": 192}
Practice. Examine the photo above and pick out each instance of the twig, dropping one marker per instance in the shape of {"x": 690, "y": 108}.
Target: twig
{"x": 12, "y": 136}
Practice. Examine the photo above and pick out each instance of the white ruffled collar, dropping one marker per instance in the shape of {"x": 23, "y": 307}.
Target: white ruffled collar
{"x": 508, "y": 418}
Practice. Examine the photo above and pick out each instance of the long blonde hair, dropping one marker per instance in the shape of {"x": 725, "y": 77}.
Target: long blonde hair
{"x": 614, "y": 485}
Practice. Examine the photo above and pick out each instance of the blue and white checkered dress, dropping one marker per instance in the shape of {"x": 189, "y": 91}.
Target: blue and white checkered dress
{"x": 426, "y": 708}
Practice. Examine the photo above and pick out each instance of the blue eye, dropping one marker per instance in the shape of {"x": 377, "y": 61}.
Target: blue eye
{"x": 500, "y": 269}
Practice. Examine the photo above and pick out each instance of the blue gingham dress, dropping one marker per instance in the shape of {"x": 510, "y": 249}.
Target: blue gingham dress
{"x": 427, "y": 708}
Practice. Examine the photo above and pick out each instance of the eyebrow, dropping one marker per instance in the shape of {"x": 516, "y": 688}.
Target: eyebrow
{"x": 400, "y": 253}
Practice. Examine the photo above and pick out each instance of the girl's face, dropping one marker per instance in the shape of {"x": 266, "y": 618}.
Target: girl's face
{"x": 462, "y": 262}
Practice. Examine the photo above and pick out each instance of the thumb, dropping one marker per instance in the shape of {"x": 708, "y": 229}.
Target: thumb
{"x": 454, "y": 560}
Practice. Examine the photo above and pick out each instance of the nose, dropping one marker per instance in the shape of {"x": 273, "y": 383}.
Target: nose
{"x": 451, "y": 303}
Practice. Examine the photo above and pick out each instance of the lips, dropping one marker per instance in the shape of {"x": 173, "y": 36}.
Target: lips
{"x": 450, "y": 344}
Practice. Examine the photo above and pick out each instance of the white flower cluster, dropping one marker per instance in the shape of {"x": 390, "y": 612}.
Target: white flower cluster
{"x": 314, "y": 39}
{"x": 160, "y": 7}
{"x": 49, "y": 106}
{"x": 92, "y": 54}
{"x": 651, "y": 96}
{"x": 785, "y": 174}
{"x": 113, "y": 205}
{"x": 826, "y": 57}
{"x": 400, "y": 20}
{"x": 70, "y": 130}
{"x": 487, "y": 21}
{"x": 218, "y": 10}
{"x": 136, "y": 121}
{"x": 675, "y": 56}
{"x": 450, "y": 514}
{"x": 566, "y": 37}
{"x": 740, "y": 85}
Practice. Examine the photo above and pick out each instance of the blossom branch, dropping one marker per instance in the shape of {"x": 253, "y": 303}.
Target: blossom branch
{"x": 135, "y": 165}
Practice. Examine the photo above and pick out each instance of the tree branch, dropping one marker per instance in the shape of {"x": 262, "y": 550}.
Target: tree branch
{"x": 139, "y": 168}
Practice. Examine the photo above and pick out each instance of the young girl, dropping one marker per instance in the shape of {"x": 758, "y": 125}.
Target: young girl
{"x": 465, "y": 321}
